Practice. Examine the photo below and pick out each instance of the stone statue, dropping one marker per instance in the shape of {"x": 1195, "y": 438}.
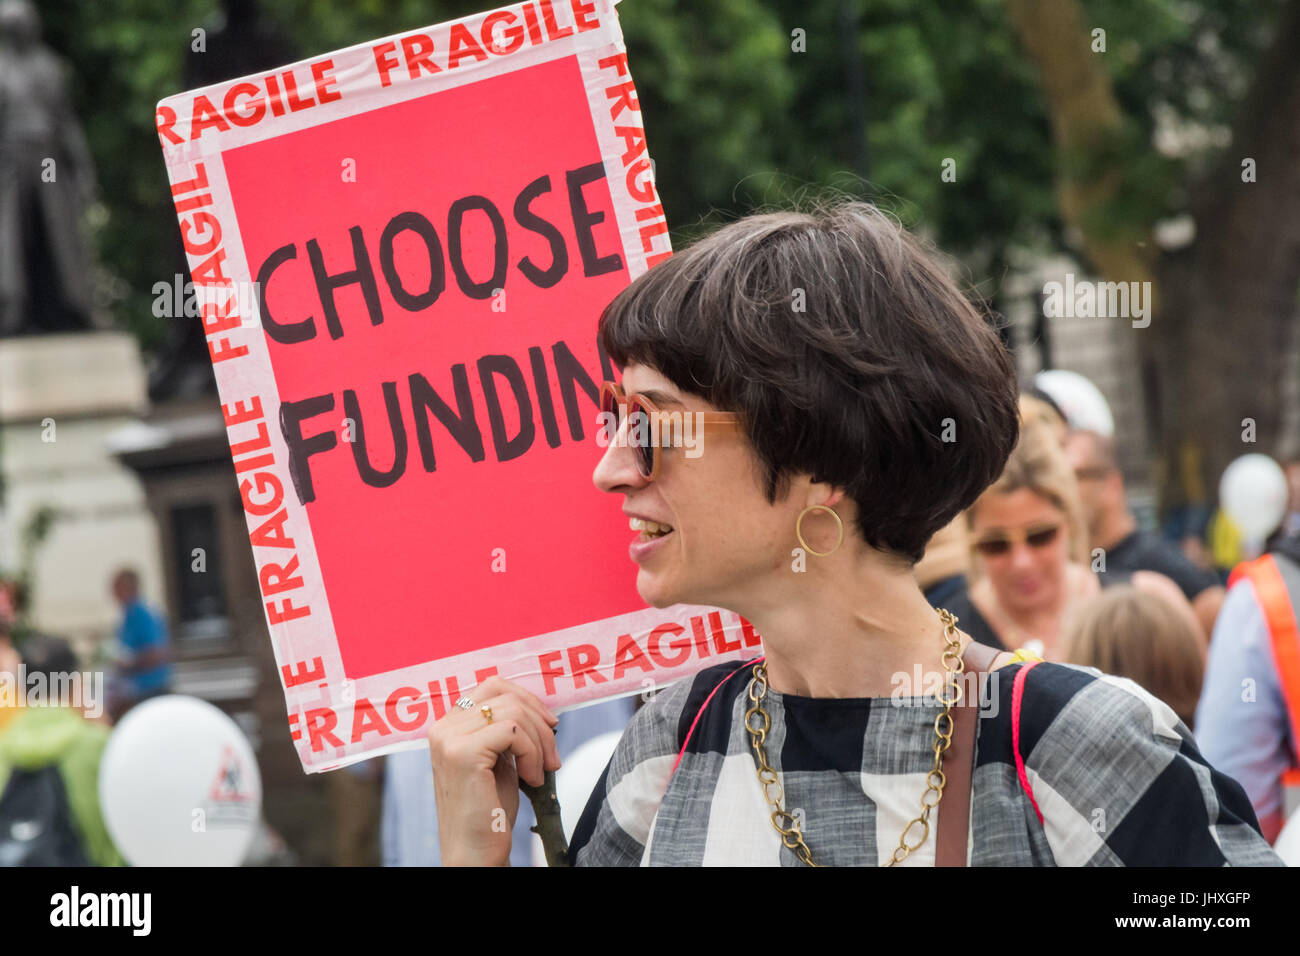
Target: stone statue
{"x": 47, "y": 181}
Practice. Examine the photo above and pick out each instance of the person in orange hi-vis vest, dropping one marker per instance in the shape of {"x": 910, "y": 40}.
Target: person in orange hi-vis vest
{"x": 1248, "y": 717}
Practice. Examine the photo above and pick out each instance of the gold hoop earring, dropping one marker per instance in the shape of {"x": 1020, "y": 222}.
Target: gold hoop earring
{"x": 798, "y": 530}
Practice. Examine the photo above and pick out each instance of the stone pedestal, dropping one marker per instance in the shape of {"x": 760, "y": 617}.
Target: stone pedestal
{"x": 60, "y": 397}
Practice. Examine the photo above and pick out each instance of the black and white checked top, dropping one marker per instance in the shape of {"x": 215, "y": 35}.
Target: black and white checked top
{"x": 1116, "y": 775}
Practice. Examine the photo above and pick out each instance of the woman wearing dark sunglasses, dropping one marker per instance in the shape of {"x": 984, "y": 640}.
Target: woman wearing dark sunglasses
{"x": 871, "y": 405}
{"x": 1028, "y": 539}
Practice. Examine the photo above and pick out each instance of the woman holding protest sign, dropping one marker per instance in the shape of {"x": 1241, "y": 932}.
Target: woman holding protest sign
{"x": 854, "y": 403}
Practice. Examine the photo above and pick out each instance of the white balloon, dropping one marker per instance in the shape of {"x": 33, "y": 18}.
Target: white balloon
{"x": 578, "y": 776}
{"x": 1253, "y": 494}
{"x": 1081, "y": 401}
{"x": 179, "y": 786}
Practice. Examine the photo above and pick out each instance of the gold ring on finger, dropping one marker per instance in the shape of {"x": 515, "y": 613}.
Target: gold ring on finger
{"x": 487, "y": 712}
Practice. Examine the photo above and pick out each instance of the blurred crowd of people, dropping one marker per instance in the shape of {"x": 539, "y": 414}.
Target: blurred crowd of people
{"x": 1052, "y": 559}
{"x": 55, "y": 720}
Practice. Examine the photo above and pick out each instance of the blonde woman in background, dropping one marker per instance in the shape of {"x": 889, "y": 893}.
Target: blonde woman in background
{"x": 1130, "y": 633}
{"x": 1035, "y": 411}
{"x": 1030, "y": 562}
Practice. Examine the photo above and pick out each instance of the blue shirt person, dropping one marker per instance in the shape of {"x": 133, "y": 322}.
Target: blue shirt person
{"x": 146, "y": 670}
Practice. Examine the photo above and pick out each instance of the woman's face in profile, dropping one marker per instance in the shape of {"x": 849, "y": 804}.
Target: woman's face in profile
{"x": 725, "y": 535}
{"x": 1023, "y": 540}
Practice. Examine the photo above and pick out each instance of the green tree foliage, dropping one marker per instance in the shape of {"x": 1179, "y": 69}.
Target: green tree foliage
{"x": 882, "y": 94}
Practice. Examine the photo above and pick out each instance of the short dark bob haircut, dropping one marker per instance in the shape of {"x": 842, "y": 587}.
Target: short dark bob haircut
{"x": 848, "y": 353}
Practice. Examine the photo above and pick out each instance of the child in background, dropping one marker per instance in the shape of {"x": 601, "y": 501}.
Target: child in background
{"x": 1134, "y": 634}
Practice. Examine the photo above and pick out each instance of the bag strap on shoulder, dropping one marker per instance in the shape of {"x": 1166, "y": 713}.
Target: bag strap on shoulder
{"x": 1017, "y": 694}
{"x": 700, "y": 713}
{"x": 953, "y": 829}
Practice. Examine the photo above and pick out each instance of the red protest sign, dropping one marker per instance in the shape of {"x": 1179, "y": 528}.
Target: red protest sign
{"x": 401, "y": 250}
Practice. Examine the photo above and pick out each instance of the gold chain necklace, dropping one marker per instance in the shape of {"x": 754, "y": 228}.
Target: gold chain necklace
{"x": 787, "y": 824}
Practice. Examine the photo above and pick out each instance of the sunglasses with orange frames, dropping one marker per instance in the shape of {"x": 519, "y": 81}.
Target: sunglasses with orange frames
{"x": 647, "y": 441}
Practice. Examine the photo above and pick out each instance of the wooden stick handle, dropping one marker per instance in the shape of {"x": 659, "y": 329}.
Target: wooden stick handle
{"x": 546, "y": 808}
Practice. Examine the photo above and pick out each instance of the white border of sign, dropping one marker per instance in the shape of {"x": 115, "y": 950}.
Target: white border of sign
{"x": 306, "y": 649}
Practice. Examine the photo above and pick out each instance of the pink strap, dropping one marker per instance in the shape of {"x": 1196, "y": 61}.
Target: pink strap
{"x": 690, "y": 733}
{"x": 1017, "y": 693}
